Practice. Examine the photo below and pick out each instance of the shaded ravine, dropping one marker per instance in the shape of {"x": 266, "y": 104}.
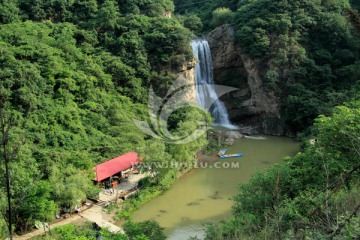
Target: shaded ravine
{"x": 204, "y": 195}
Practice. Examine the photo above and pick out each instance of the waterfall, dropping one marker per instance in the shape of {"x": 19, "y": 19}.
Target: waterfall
{"x": 206, "y": 95}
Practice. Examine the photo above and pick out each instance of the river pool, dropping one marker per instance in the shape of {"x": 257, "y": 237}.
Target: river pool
{"x": 204, "y": 195}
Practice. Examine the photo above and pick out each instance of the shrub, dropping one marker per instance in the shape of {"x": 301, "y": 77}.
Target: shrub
{"x": 222, "y": 16}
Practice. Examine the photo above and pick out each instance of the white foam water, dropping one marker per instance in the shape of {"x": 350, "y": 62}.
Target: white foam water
{"x": 205, "y": 90}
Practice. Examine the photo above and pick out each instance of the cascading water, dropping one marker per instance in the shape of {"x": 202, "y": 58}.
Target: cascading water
{"x": 205, "y": 91}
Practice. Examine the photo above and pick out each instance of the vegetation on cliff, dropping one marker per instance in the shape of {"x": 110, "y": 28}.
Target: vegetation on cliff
{"x": 308, "y": 51}
{"x": 73, "y": 76}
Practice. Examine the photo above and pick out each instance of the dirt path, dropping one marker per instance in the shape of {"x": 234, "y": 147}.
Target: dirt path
{"x": 96, "y": 214}
{"x": 38, "y": 232}
{"x": 93, "y": 214}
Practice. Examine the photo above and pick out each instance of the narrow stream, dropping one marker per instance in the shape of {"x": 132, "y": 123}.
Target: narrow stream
{"x": 203, "y": 195}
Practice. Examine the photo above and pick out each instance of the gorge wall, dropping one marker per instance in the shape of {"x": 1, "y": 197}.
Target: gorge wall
{"x": 254, "y": 106}
{"x": 186, "y": 76}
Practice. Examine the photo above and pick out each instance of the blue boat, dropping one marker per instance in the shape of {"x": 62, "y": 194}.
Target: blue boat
{"x": 231, "y": 155}
{"x": 222, "y": 154}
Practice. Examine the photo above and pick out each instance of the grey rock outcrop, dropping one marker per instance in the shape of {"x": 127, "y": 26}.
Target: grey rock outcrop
{"x": 253, "y": 105}
{"x": 186, "y": 76}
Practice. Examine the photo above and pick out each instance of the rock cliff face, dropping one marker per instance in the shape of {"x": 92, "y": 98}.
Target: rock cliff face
{"x": 253, "y": 105}
{"x": 186, "y": 76}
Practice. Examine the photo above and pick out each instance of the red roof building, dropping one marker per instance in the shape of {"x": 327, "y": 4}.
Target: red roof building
{"x": 116, "y": 165}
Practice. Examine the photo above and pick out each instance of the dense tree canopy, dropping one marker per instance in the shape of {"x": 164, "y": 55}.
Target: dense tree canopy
{"x": 77, "y": 73}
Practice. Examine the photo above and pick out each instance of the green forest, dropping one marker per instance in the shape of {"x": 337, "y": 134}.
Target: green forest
{"x": 73, "y": 75}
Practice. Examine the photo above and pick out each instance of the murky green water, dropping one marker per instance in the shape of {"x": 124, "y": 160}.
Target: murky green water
{"x": 203, "y": 195}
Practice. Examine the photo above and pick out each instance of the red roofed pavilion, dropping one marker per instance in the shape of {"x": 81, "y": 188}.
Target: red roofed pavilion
{"x": 116, "y": 165}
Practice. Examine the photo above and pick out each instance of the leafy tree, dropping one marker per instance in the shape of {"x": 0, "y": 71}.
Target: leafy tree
{"x": 36, "y": 206}
{"x": 204, "y": 10}
{"x": 107, "y": 17}
{"x": 9, "y": 11}
{"x": 84, "y": 10}
{"x": 188, "y": 124}
{"x": 156, "y": 157}
{"x": 21, "y": 175}
{"x": 69, "y": 187}
{"x": 193, "y": 22}
{"x": 222, "y": 16}
{"x": 149, "y": 229}
{"x": 8, "y": 152}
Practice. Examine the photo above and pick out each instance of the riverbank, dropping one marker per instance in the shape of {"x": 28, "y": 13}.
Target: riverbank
{"x": 204, "y": 195}
{"x": 223, "y": 138}
{"x": 147, "y": 193}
